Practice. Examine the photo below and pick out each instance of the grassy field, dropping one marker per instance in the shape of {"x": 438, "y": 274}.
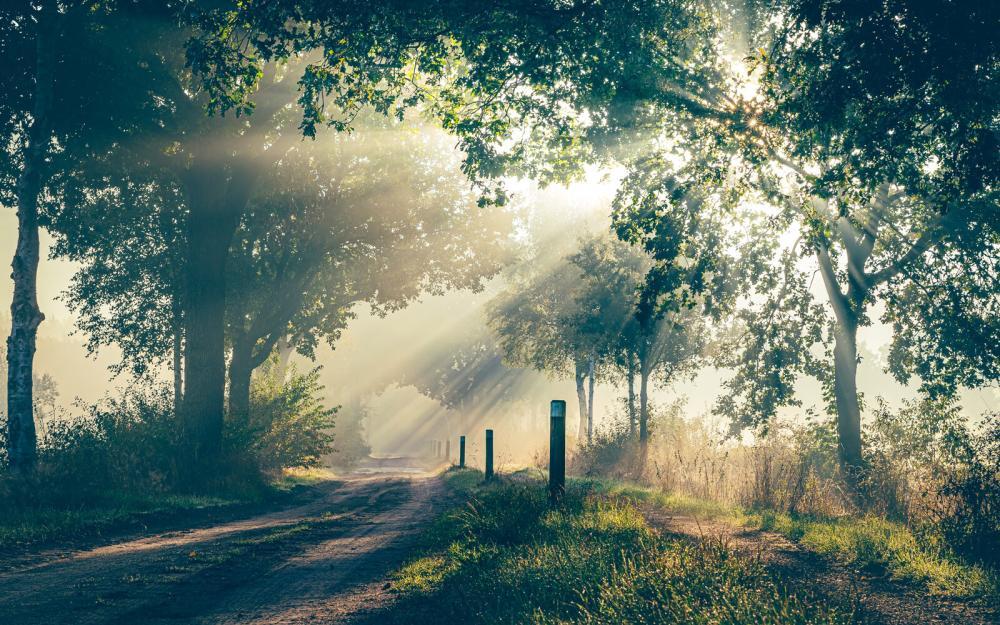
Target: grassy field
{"x": 872, "y": 544}
{"x": 506, "y": 556}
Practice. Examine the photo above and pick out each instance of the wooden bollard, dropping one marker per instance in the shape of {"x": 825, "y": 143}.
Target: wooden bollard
{"x": 461, "y": 452}
{"x": 557, "y": 450}
{"x": 489, "y": 454}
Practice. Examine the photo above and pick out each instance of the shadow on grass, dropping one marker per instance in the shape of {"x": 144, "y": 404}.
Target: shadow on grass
{"x": 506, "y": 556}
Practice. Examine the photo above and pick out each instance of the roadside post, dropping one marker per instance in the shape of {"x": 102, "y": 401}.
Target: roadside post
{"x": 489, "y": 455}
{"x": 557, "y": 450}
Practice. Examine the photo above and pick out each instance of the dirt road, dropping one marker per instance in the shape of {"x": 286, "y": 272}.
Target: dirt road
{"x": 324, "y": 561}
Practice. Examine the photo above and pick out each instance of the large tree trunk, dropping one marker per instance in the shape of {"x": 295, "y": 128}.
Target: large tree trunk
{"x": 590, "y": 399}
{"x": 212, "y": 223}
{"x": 240, "y": 375}
{"x": 847, "y": 308}
{"x": 581, "y": 396}
{"x": 845, "y": 390}
{"x": 25, "y": 314}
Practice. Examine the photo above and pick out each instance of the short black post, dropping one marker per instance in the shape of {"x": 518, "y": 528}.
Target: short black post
{"x": 461, "y": 452}
{"x": 447, "y": 450}
{"x": 557, "y": 450}
{"x": 489, "y": 454}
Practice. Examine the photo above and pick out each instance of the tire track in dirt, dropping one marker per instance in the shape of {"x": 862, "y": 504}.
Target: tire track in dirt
{"x": 325, "y": 557}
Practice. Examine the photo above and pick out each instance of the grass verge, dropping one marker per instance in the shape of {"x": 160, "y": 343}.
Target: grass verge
{"x": 506, "y": 556}
{"x": 47, "y": 522}
{"x": 882, "y": 547}
{"x": 25, "y": 527}
{"x": 872, "y": 544}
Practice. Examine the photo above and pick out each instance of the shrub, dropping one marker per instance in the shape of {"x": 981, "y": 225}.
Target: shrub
{"x": 125, "y": 444}
{"x": 129, "y": 447}
{"x": 613, "y": 452}
{"x": 909, "y": 452}
{"x": 288, "y": 425}
{"x": 972, "y": 526}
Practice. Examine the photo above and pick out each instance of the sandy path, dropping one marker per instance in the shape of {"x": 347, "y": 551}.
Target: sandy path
{"x": 320, "y": 562}
{"x": 881, "y": 600}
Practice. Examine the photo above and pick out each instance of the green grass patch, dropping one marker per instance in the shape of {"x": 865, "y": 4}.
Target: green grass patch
{"x": 871, "y": 544}
{"x": 680, "y": 504}
{"x": 880, "y": 546}
{"x": 462, "y": 480}
{"x": 311, "y": 476}
{"x": 50, "y": 520}
{"x": 506, "y": 556}
{"x": 27, "y": 526}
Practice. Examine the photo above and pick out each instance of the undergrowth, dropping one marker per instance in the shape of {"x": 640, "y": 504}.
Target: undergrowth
{"x": 120, "y": 463}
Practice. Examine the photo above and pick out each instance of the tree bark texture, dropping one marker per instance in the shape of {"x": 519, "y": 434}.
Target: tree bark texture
{"x": 845, "y": 389}
{"x": 25, "y": 314}
{"x": 178, "y": 358}
{"x": 240, "y": 375}
{"x": 212, "y": 223}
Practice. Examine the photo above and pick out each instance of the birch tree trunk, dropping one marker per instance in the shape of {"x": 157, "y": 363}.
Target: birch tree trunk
{"x": 581, "y": 396}
{"x": 25, "y": 314}
{"x": 590, "y": 400}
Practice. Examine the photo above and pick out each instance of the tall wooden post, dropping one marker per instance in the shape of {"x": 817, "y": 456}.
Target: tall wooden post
{"x": 447, "y": 450}
{"x": 489, "y": 454}
{"x": 461, "y": 452}
{"x": 557, "y": 450}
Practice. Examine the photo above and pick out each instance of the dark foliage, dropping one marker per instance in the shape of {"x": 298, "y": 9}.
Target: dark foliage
{"x": 973, "y": 529}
